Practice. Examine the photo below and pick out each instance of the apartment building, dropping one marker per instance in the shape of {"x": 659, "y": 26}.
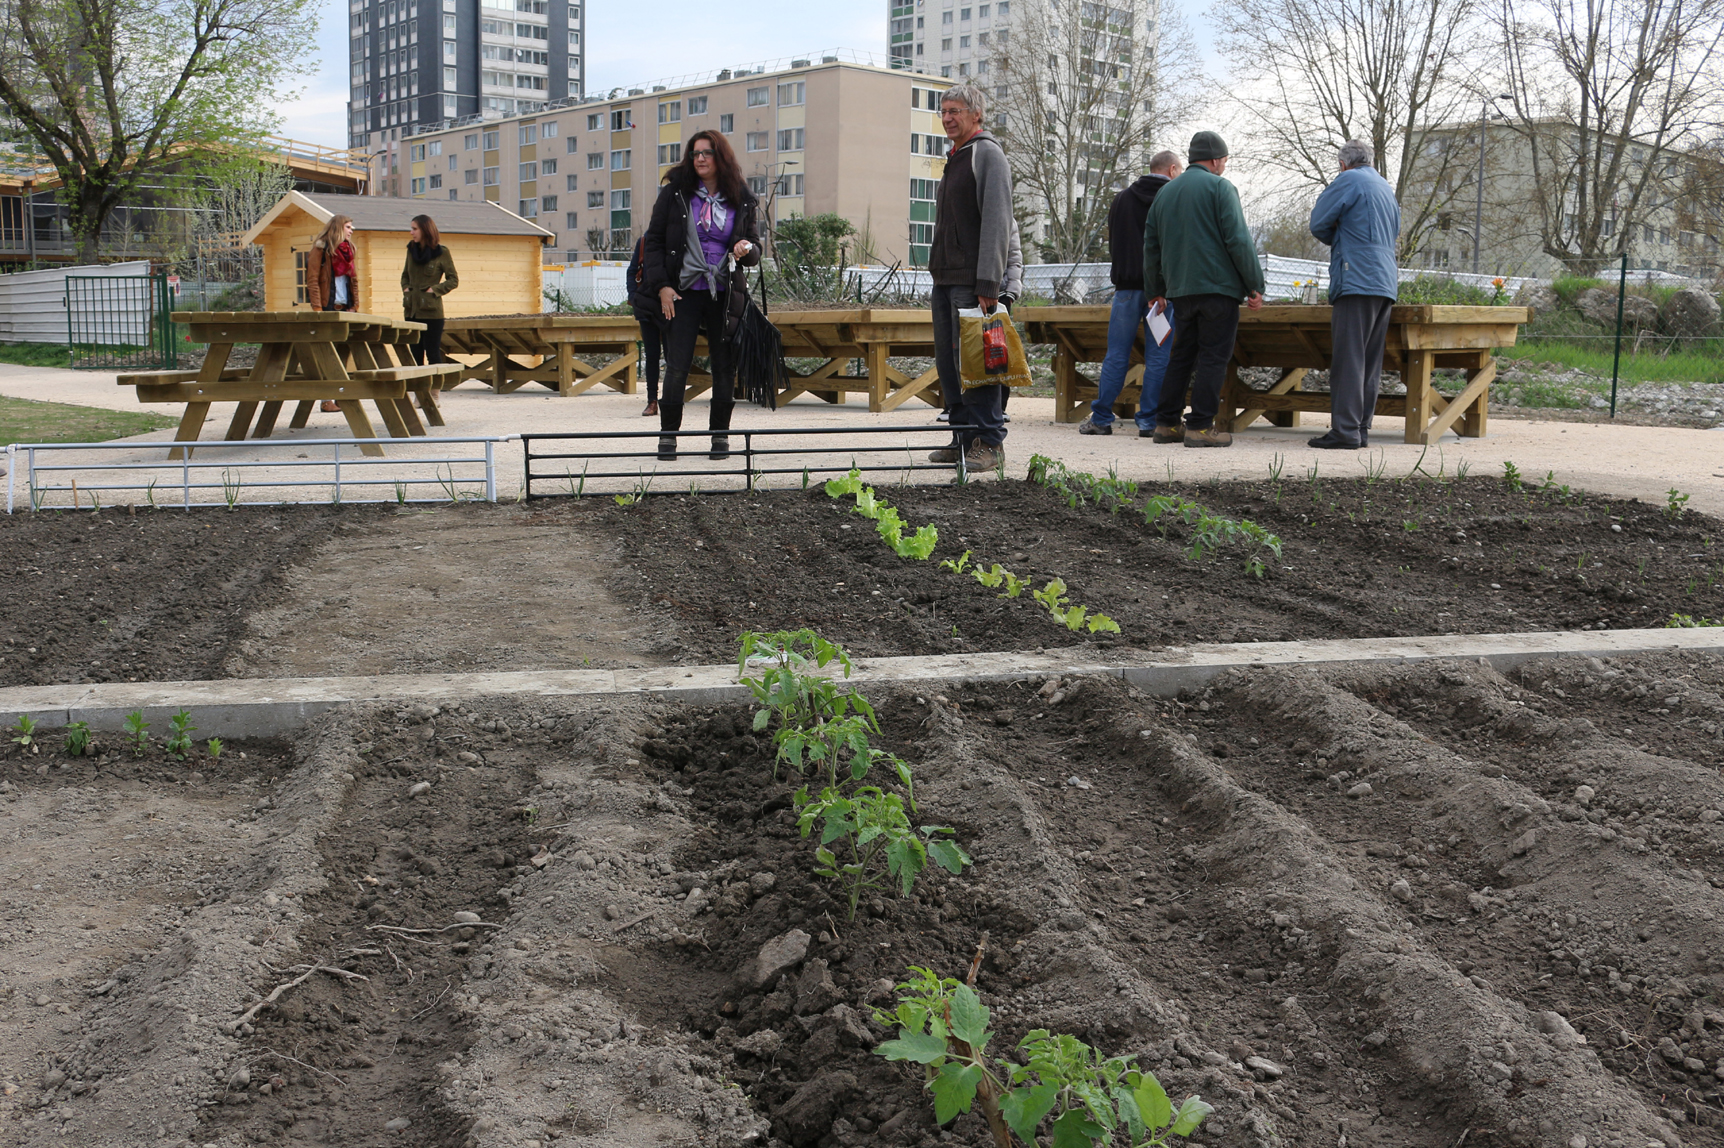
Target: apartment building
{"x": 948, "y": 38}
{"x": 1677, "y": 226}
{"x": 415, "y": 63}
{"x": 860, "y": 141}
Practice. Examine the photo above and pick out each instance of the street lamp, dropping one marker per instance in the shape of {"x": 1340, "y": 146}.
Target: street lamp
{"x": 1479, "y": 206}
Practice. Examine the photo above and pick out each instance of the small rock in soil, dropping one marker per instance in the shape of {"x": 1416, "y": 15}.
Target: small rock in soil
{"x": 1401, "y": 891}
{"x": 612, "y": 912}
{"x": 762, "y": 1044}
{"x": 1268, "y": 1068}
{"x": 1584, "y": 794}
{"x": 418, "y": 788}
{"x": 467, "y": 917}
{"x": 782, "y": 952}
{"x": 399, "y": 1124}
{"x": 1363, "y": 789}
{"x": 240, "y": 1078}
{"x": 583, "y": 861}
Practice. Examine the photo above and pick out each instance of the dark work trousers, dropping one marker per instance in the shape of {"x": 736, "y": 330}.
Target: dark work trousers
{"x": 978, "y": 413}
{"x": 652, "y": 345}
{"x": 1202, "y": 345}
{"x": 429, "y": 348}
{"x": 1357, "y": 328}
{"x": 697, "y": 311}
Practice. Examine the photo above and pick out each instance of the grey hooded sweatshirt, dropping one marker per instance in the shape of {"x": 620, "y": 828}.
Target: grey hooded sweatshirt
{"x": 973, "y": 225}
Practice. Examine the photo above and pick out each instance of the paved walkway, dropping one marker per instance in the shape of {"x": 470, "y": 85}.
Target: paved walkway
{"x": 1628, "y": 461}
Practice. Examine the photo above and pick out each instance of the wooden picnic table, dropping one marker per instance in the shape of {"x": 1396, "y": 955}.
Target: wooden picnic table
{"x": 304, "y": 357}
{"x": 1295, "y": 339}
{"x": 574, "y": 353}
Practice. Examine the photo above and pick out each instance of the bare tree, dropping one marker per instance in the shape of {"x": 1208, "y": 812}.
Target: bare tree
{"x": 115, "y": 92}
{"x": 1082, "y": 91}
{"x": 1316, "y": 73}
{"x": 1609, "y": 95}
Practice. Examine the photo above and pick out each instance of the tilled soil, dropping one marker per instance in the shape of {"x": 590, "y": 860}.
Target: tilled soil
{"x": 1437, "y": 902}
{"x": 1359, "y": 559}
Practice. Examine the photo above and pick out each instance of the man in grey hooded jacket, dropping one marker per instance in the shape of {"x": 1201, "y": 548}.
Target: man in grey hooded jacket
{"x": 968, "y": 261}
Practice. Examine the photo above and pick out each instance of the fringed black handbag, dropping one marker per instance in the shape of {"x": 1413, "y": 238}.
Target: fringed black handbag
{"x": 759, "y": 348}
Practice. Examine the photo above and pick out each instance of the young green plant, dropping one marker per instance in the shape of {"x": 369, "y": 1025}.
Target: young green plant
{"x": 137, "y": 727}
{"x": 179, "y": 742}
{"x": 78, "y": 741}
{"x": 24, "y": 734}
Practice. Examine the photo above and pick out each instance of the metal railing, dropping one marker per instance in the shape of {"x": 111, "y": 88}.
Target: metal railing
{"x": 748, "y": 460}
{"x": 120, "y": 322}
{"x": 239, "y": 477}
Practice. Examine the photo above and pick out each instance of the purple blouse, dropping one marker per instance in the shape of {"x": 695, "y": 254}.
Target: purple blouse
{"x": 714, "y": 239}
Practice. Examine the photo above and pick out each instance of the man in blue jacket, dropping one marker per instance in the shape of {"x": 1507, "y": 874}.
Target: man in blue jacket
{"x": 1359, "y": 220}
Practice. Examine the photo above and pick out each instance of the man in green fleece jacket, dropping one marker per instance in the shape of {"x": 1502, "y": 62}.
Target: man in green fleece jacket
{"x": 1198, "y": 255}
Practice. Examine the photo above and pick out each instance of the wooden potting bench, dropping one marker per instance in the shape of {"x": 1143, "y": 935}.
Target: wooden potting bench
{"x": 303, "y": 357}
{"x": 1295, "y": 339}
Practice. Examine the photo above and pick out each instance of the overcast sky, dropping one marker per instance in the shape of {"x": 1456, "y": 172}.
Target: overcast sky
{"x": 631, "y": 49}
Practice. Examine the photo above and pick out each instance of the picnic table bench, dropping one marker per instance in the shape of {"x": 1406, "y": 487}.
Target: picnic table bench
{"x": 574, "y": 353}
{"x": 1295, "y": 339}
{"x": 303, "y": 357}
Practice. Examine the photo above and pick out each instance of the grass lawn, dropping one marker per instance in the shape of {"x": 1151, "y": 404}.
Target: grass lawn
{"x": 35, "y": 354}
{"x": 26, "y": 420}
{"x": 1677, "y": 367}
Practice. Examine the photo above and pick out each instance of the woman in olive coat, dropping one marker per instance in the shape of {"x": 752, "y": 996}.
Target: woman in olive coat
{"x": 428, "y": 276}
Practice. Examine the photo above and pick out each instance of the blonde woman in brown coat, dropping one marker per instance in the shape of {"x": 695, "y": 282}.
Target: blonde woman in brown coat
{"x": 331, "y": 283}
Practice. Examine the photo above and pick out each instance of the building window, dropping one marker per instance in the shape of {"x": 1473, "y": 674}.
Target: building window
{"x": 570, "y": 182}
{"x": 470, "y": 141}
{"x": 436, "y": 182}
{"x": 620, "y": 210}
{"x": 472, "y": 175}
{"x": 299, "y": 295}
{"x": 697, "y": 105}
{"x": 620, "y": 160}
{"x": 726, "y": 123}
{"x": 963, "y": 41}
{"x": 595, "y": 121}
{"x": 757, "y": 141}
{"x": 790, "y": 184}
{"x": 789, "y": 95}
{"x": 529, "y": 208}
{"x": 757, "y": 184}
{"x": 759, "y": 97}
{"x": 573, "y": 145}
{"x": 419, "y": 187}
{"x": 491, "y": 177}
{"x": 669, "y": 154}
{"x": 622, "y": 119}
{"x": 574, "y": 38}
{"x": 416, "y": 153}
{"x": 790, "y": 139}
{"x": 670, "y": 112}
{"x": 547, "y": 167}
{"x": 595, "y": 161}
{"x": 922, "y": 193}
{"x": 529, "y": 171}
{"x": 595, "y": 199}
{"x": 570, "y": 221}
{"x": 547, "y": 203}
{"x": 449, "y": 80}
{"x": 946, "y": 46}
{"x": 529, "y": 133}
{"x": 491, "y": 140}
{"x": 945, "y": 17}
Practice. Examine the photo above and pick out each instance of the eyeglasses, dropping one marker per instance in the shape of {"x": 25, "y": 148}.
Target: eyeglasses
{"x": 707, "y": 152}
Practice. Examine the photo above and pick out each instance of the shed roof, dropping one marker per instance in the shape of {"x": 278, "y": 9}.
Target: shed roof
{"x": 388, "y": 213}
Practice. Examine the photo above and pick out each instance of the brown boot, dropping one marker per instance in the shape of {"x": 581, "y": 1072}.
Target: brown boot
{"x": 1209, "y": 436}
{"x": 1165, "y": 435}
{"x": 651, "y": 409}
{"x": 329, "y": 406}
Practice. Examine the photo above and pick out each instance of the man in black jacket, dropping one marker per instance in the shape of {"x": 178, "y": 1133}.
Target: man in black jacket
{"x": 1125, "y": 239}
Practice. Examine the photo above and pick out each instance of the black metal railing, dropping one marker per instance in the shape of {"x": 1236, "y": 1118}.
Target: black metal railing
{"x": 751, "y": 455}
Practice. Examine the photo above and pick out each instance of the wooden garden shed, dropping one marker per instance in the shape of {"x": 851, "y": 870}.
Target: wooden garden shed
{"x": 498, "y": 255}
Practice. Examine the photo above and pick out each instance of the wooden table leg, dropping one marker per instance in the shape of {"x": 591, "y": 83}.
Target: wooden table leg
{"x": 1417, "y": 376}
{"x": 266, "y": 419}
{"x": 301, "y": 414}
{"x": 428, "y": 403}
{"x": 391, "y": 416}
{"x": 1475, "y": 423}
{"x": 498, "y": 372}
{"x": 1065, "y": 383}
{"x": 241, "y": 421}
{"x": 565, "y": 370}
{"x": 360, "y": 425}
{"x": 409, "y": 416}
{"x": 878, "y": 379}
{"x": 191, "y": 425}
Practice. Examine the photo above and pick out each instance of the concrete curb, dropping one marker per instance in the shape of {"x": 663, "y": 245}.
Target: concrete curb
{"x": 267, "y": 707}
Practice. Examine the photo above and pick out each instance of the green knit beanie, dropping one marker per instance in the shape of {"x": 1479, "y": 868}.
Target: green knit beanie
{"x": 1207, "y": 145}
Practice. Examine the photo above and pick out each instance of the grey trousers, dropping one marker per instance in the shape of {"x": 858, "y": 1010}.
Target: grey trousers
{"x": 1357, "y": 329}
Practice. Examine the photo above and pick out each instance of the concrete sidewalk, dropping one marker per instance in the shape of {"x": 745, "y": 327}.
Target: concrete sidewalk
{"x": 1627, "y": 461}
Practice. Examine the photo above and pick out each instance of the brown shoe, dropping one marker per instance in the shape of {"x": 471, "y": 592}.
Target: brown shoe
{"x": 651, "y": 409}
{"x": 981, "y": 457}
{"x": 330, "y": 406}
{"x": 1165, "y": 435}
{"x": 1208, "y": 437}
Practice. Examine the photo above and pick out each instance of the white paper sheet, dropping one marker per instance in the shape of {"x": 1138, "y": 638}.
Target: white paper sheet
{"x": 1159, "y": 327}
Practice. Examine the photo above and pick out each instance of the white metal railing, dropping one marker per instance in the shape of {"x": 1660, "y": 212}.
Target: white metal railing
{"x": 240, "y": 476}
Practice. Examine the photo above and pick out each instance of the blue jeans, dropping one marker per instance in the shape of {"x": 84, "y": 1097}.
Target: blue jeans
{"x": 1123, "y": 324}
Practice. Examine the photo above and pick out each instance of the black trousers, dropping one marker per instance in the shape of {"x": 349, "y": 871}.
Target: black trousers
{"x": 697, "y": 312}
{"x": 652, "y": 345}
{"x": 1358, "y": 327}
{"x": 429, "y": 348}
{"x": 1202, "y": 345}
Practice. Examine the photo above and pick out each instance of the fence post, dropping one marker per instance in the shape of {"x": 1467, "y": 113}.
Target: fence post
{"x": 491, "y": 471}
{"x": 1616, "y": 360}
{"x": 11, "y": 472}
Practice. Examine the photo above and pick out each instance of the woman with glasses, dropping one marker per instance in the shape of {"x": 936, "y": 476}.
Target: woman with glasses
{"x": 704, "y": 217}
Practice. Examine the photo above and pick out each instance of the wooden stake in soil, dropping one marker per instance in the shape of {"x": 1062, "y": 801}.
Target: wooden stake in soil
{"x": 985, "y": 1089}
